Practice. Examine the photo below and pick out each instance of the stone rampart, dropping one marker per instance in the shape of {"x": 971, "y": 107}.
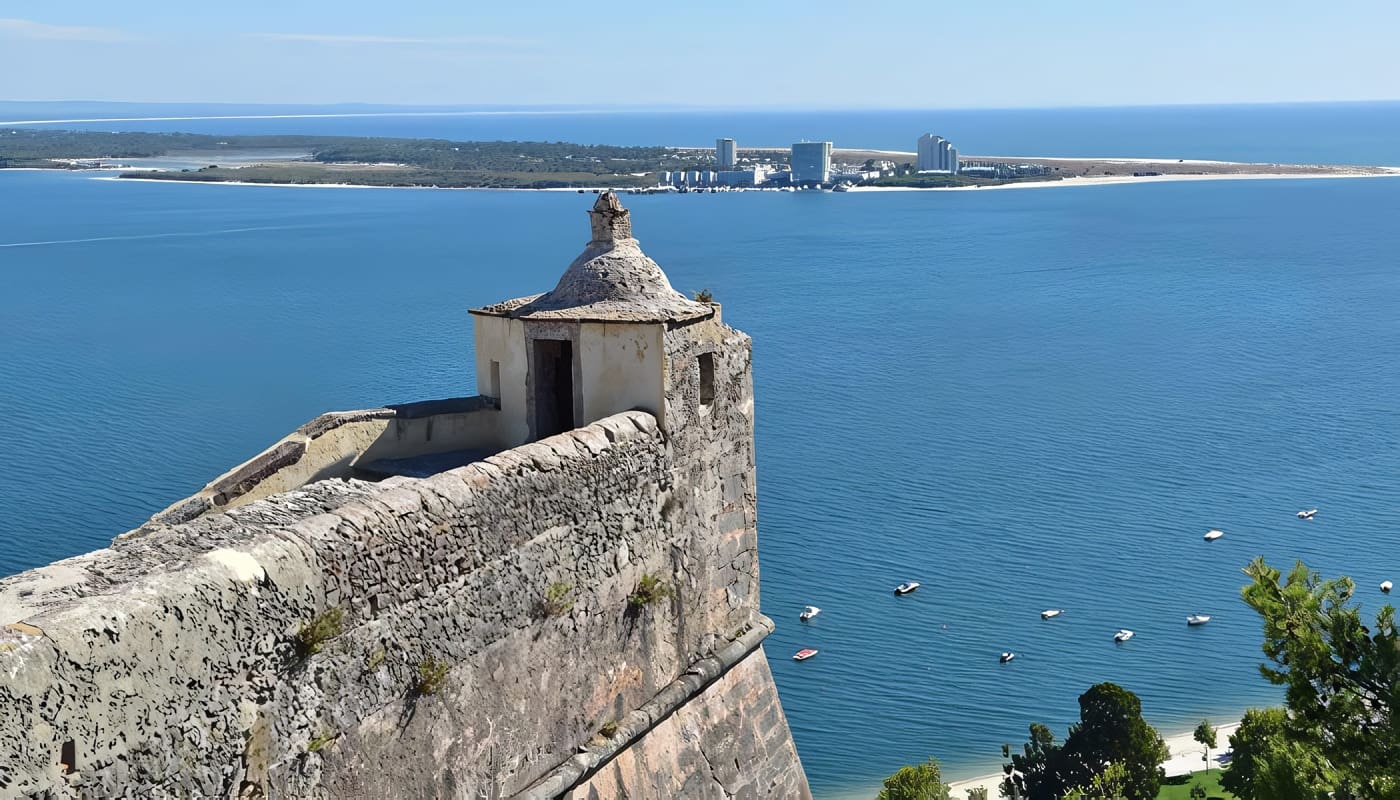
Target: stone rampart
{"x": 401, "y": 639}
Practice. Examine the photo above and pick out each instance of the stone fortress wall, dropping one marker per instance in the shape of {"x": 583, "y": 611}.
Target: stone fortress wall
{"x": 486, "y": 631}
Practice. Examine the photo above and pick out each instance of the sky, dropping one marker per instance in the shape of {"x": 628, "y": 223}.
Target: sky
{"x": 717, "y": 54}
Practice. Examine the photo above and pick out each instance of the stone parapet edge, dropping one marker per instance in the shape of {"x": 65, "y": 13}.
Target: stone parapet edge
{"x": 697, "y": 677}
{"x": 288, "y": 450}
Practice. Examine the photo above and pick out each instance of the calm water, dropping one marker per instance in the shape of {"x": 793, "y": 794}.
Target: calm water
{"x": 1023, "y": 399}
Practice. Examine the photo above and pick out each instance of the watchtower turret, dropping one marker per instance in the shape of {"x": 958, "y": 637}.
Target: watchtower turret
{"x": 609, "y": 337}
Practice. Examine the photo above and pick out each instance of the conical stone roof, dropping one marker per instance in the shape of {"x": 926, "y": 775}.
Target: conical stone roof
{"x": 611, "y": 280}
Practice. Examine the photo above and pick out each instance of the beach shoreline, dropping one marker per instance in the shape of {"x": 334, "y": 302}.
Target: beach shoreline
{"x": 1113, "y": 180}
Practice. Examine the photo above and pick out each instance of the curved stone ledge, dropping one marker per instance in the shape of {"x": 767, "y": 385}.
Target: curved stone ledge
{"x": 333, "y": 444}
{"x": 637, "y": 724}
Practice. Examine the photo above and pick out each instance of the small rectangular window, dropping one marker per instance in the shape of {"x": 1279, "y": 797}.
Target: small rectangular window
{"x": 707, "y": 378}
{"x": 496, "y": 382}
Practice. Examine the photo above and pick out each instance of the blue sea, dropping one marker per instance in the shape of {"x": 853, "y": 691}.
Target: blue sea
{"x": 1022, "y": 399}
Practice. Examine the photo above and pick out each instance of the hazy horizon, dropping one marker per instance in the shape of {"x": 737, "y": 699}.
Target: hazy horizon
{"x": 808, "y": 55}
{"x": 450, "y": 108}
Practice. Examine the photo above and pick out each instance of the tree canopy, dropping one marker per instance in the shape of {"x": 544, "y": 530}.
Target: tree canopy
{"x": 35, "y": 146}
{"x": 1341, "y": 679}
{"x": 1205, "y": 735}
{"x": 918, "y": 782}
{"x": 1110, "y": 745}
{"x": 1112, "y": 783}
{"x": 1265, "y": 765}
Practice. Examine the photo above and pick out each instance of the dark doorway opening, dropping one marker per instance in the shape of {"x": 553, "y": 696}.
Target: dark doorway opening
{"x": 707, "y": 379}
{"x": 553, "y": 382}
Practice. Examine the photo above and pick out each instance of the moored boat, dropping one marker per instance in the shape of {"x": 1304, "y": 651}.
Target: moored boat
{"x": 808, "y": 613}
{"x": 1005, "y": 657}
{"x": 1051, "y": 613}
{"x": 1386, "y": 586}
{"x": 1308, "y": 514}
{"x": 1198, "y": 619}
{"x": 906, "y": 587}
{"x": 804, "y": 654}
{"x": 1122, "y": 635}
{"x": 1212, "y": 535}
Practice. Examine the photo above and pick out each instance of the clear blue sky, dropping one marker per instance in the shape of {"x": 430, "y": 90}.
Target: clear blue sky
{"x": 817, "y": 54}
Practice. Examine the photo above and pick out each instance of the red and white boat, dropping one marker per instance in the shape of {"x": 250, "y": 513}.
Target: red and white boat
{"x": 804, "y": 654}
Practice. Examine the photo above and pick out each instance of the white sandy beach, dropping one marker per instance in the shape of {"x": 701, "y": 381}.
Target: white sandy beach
{"x": 1391, "y": 172}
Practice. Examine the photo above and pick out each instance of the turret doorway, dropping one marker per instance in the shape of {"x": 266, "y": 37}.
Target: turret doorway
{"x": 552, "y": 382}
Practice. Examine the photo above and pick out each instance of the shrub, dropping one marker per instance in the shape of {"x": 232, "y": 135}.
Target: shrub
{"x": 917, "y": 782}
{"x": 558, "y": 599}
{"x": 608, "y": 729}
{"x": 650, "y": 589}
{"x": 704, "y": 296}
{"x": 431, "y": 674}
{"x": 374, "y": 659}
{"x": 312, "y": 636}
{"x": 320, "y": 742}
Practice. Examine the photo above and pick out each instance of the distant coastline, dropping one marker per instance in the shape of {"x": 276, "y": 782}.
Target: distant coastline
{"x": 1388, "y": 172}
{"x": 341, "y": 161}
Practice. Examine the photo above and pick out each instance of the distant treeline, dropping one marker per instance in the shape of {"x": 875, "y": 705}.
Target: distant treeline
{"x": 32, "y": 147}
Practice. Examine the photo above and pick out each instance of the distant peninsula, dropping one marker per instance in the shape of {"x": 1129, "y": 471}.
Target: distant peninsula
{"x": 391, "y": 162}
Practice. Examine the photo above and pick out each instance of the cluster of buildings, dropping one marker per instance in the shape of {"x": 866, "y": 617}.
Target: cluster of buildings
{"x": 696, "y": 178}
{"x": 1001, "y": 169}
{"x": 810, "y": 165}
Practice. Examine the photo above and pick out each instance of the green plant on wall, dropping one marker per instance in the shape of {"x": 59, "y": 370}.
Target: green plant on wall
{"x": 431, "y": 675}
{"x": 376, "y": 658}
{"x": 558, "y": 599}
{"x": 704, "y": 296}
{"x": 319, "y": 743}
{"x": 313, "y": 635}
{"x": 649, "y": 590}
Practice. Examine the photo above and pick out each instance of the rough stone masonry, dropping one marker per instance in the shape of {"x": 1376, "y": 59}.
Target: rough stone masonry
{"x": 549, "y": 590}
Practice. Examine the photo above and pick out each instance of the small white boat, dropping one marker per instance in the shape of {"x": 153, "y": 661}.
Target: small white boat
{"x": 804, "y": 654}
{"x": 1386, "y": 586}
{"x": 1212, "y": 535}
{"x": 808, "y": 613}
{"x": 1309, "y": 514}
{"x": 1051, "y": 613}
{"x": 1122, "y": 635}
{"x": 1198, "y": 619}
{"x": 1005, "y": 657}
{"x": 906, "y": 587}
